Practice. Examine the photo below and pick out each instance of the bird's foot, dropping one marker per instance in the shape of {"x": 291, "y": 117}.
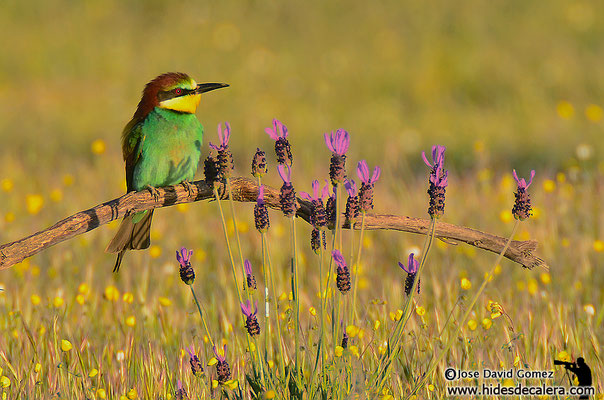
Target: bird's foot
{"x": 188, "y": 186}
{"x": 154, "y": 192}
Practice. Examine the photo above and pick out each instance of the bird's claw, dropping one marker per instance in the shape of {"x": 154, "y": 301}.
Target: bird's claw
{"x": 154, "y": 192}
{"x": 188, "y": 186}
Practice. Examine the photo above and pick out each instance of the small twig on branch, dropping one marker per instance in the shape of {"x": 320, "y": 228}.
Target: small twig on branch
{"x": 245, "y": 190}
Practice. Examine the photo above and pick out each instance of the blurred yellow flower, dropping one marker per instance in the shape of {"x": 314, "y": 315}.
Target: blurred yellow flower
{"x": 84, "y": 289}
{"x": 9, "y": 217}
{"x": 128, "y": 297}
{"x": 431, "y": 387}
{"x": 354, "y": 350}
{"x": 164, "y": 301}
{"x": 497, "y": 269}
{"x": 4, "y": 381}
{"x": 232, "y": 384}
{"x": 34, "y": 203}
{"x": 214, "y": 383}
{"x": 93, "y": 372}
{"x": 212, "y": 361}
{"x": 271, "y": 364}
{"x": 120, "y": 355}
{"x": 98, "y": 146}
{"x": 243, "y": 227}
{"x": 521, "y": 286}
{"x": 68, "y": 180}
{"x": 516, "y": 361}
{"x": 352, "y": 330}
{"x": 506, "y": 216}
{"x": 495, "y": 309}
{"x": 549, "y": 185}
{"x": 56, "y": 195}
{"x": 111, "y": 293}
{"x": 252, "y": 347}
{"x": 131, "y": 321}
{"x": 472, "y": 324}
{"x": 339, "y": 351}
{"x": 376, "y": 325}
{"x": 7, "y": 184}
{"x": 38, "y": 368}
{"x": 80, "y": 299}
{"x": 565, "y": 109}
{"x": 101, "y": 394}
{"x": 132, "y": 394}
{"x": 563, "y": 356}
{"x": 532, "y": 286}
{"x": 66, "y": 345}
{"x": 560, "y": 177}
{"x": 487, "y": 323}
{"x": 312, "y": 311}
{"x": 58, "y": 302}
{"x": 123, "y": 397}
{"x": 420, "y": 311}
{"x": 155, "y": 251}
{"x": 35, "y": 299}
{"x": 599, "y": 245}
{"x": 283, "y": 296}
{"x": 182, "y": 207}
{"x": 466, "y": 284}
{"x": 594, "y": 113}
{"x": 270, "y": 394}
{"x": 590, "y": 309}
{"x": 545, "y": 277}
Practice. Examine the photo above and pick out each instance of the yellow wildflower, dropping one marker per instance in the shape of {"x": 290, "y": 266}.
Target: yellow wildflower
{"x": 80, "y": 299}
{"x": 549, "y": 185}
{"x": 101, "y": 394}
{"x": 354, "y": 350}
{"x": 487, "y": 323}
{"x": 466, "y": 284}
{"x": 599, "y": 245}
{"x": 66, "y": 345}
{"x": 565, "y": 110}
{"x": 545, "y": 277}
{"x": 98, "y": 146}
{"x": 56, "y": 195}
{"x": 270, "y": 394}
{"x": 472, "y": 324}
{"x": 594, "y": 113}
{"x": 58, "y": 302}
{"x": 111, "y": 293}
{"x": 339, "y": 351}
{"x": 93, "y": 372}
{"x": 128, "y": 297}
{"x": 131, "y": 321}
{"x": 35, "y": 299}
{"x": 312, "y": 311}
{"x": 164, "y": 301}
{"x": 132, "y": 394}
{"x": 155, "y": 251}
{"x": 352, "y": 330}
{"x": 376, "y": 325}
{"x": 4, "y": 381}
{"x": 84, "y": 289}
{"x": 7, "y": 184}
{"x": 532, "y": 286}
{"x": 420, "y": 311}
{"x": 34, "y": 203}
{"x": 506, "y": 216}
{"x": 38, "y": 368}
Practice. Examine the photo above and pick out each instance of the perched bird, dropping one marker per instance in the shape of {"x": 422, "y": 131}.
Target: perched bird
{"x": 161, "y": 146}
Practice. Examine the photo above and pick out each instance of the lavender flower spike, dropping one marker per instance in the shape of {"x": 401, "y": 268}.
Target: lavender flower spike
{"x": 224, "y": 137}
{"x": 522, "y": 206}
{"x": 282, "y": 147}
{"x": 411, "y": 270}
{"x": 367, "y": 184}
{"x": 318, "y": 216}
{"x": 222, "y": 367}
{"x": 287, "y": 196}
{"x": 438, "y": 156}
{"x": 438, "y": 181}
{"x": 186, "y": 271}
{"x": 261, "y": 212}
{"x": 286, "y": 175}
{"x": 181, "y": 393}
{"x": 251, "y": 319}
{"x": 249, "y": 277}
{"x": 196, "y": 366}
{"x": 343, "y": 274}
{"x": 338, "y": 143}
{"x": 352, "y": 203}
{"x": 316, "y": 196}
{"x": 279, "y": 131}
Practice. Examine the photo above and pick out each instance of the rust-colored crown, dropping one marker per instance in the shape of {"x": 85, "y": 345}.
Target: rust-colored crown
{"x": 149, "y": 100}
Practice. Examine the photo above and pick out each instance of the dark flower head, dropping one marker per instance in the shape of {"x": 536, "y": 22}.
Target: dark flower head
{"x": 249, "y": 277}
{"x": 181, "y": 393}
{"x": 343, "y": 274}
{"x": 223, "y": 136}
{"x": 315, "y": 240}
{"x": 522, "y": 206}
{"x": 287, "y": 196}
{"x": 261, "y": 212}
{"x": 259, "y": 168}
{"x": 338, "y": 143}
{"x": 318, "y": 216}
{"x": 345, "y": 340}
{"x": 438, "y": 181}
{"x": 251, "y": 318}
{"x": 196, "y": 366}
{"x": 187, "y": 273}
{"x": 282, "y": 147}
{"x": 211, "y": 170}
{"x": 330, "y": 209}
{"x": 367, "y": 184}
{"x": 411, "y": 270}
{"x": 222, "y": 367}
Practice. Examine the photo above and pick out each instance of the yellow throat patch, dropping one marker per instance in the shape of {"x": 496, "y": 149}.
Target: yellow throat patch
{"x": 186, "y": 104}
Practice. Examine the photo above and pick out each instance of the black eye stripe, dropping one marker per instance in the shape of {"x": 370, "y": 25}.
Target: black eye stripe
{"x": 170, "y": 94}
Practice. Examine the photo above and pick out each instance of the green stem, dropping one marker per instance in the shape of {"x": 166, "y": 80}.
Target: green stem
{"x": 322, "y": 333}
{"x": 232, "y": 204}
{"x": 202, "y": 315}
{"x": 266, "y": 298}
{"x": 275, "y": 305}
{"x": 296, "y": 297}
{"x": 467, "y": 313}
{"x": 356, "y": 272}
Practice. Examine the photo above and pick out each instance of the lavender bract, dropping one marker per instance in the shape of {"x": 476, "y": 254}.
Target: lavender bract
{"x": 438, "y": 181}
{"x": 343, "y": 274}
{"x": 287, "y": 197}
{"x": 250, "y": 279}
{"x": 186, "y": 271}
{"x": 196, "y": 366}
{"x": 367, "y": 185}
{"x": 522, "y": 205}
{"x": 352, "y": 203}
{"x": 338, "y": 144}
{"x": 222, "y": 367}
{"x": 251, "y": 318}
{"x": 282, "y": 147}
{"x": 318, "y": 217}
{"x": 225, "y": 158}
{"x": 411, "y": 270}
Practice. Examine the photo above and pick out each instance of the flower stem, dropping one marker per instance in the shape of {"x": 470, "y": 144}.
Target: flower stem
{"x": 356, "y": 272}
{"x": 266, "y": 297}
{"x": 202, "y": 315}
{"x": 232, "y": 204}
{"x": 462, "y": 322}
{"x": 296, "y": 297}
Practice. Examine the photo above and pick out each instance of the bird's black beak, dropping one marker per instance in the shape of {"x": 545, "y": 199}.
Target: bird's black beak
{"x": 206, "y": 87}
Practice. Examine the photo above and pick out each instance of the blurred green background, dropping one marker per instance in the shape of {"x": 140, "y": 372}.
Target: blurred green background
{"x": 521, "y": 81}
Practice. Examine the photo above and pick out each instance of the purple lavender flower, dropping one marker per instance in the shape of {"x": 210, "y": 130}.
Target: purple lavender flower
{"x": 259, "y": 168}
{"x": 343, "y": 275}
{"x": 187, "y": 274}
{"x": 411, "y": 270}
{"x": 225, "y": 158}
{"x": 352, "y": 203}
{"x": 522, "y": 206}
{"x": 438, "y": 181}
{"x": 282, "y": 147}
{"x": 338, "y": 144}
{"x": 367, "y": 184}
{"x": 249, "y": 277}
{"x": 287, "y": 197}
{"x": 261, "y": 212}
{"x": 222, "y": 367}
{"x": 196, "y": 366}
{"x": 345, "y": 340}
{"x": 318, "y": 217}
{"x": 181, "y": 393}
{"x": 251, "y": 319}
{"x": 330, "y": 209}
{"x": 211, "y": 170}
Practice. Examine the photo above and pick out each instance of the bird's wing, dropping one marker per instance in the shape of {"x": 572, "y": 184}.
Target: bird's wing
{"x": 132, "y": 144}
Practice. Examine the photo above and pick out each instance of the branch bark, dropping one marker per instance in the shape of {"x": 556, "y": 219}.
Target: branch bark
{"x": 246, "y": 190}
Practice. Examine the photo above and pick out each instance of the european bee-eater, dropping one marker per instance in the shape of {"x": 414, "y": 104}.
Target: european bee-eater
{"x": 161, "y": 146}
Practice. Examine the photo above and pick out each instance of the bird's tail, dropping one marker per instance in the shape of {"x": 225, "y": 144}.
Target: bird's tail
{"x": 131, "y": 236}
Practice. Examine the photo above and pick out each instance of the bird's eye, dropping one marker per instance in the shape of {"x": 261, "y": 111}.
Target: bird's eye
{"x": 178, "y": 91}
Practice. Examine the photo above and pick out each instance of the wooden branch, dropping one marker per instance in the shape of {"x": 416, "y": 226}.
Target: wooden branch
{"x": 245, "y": 190}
